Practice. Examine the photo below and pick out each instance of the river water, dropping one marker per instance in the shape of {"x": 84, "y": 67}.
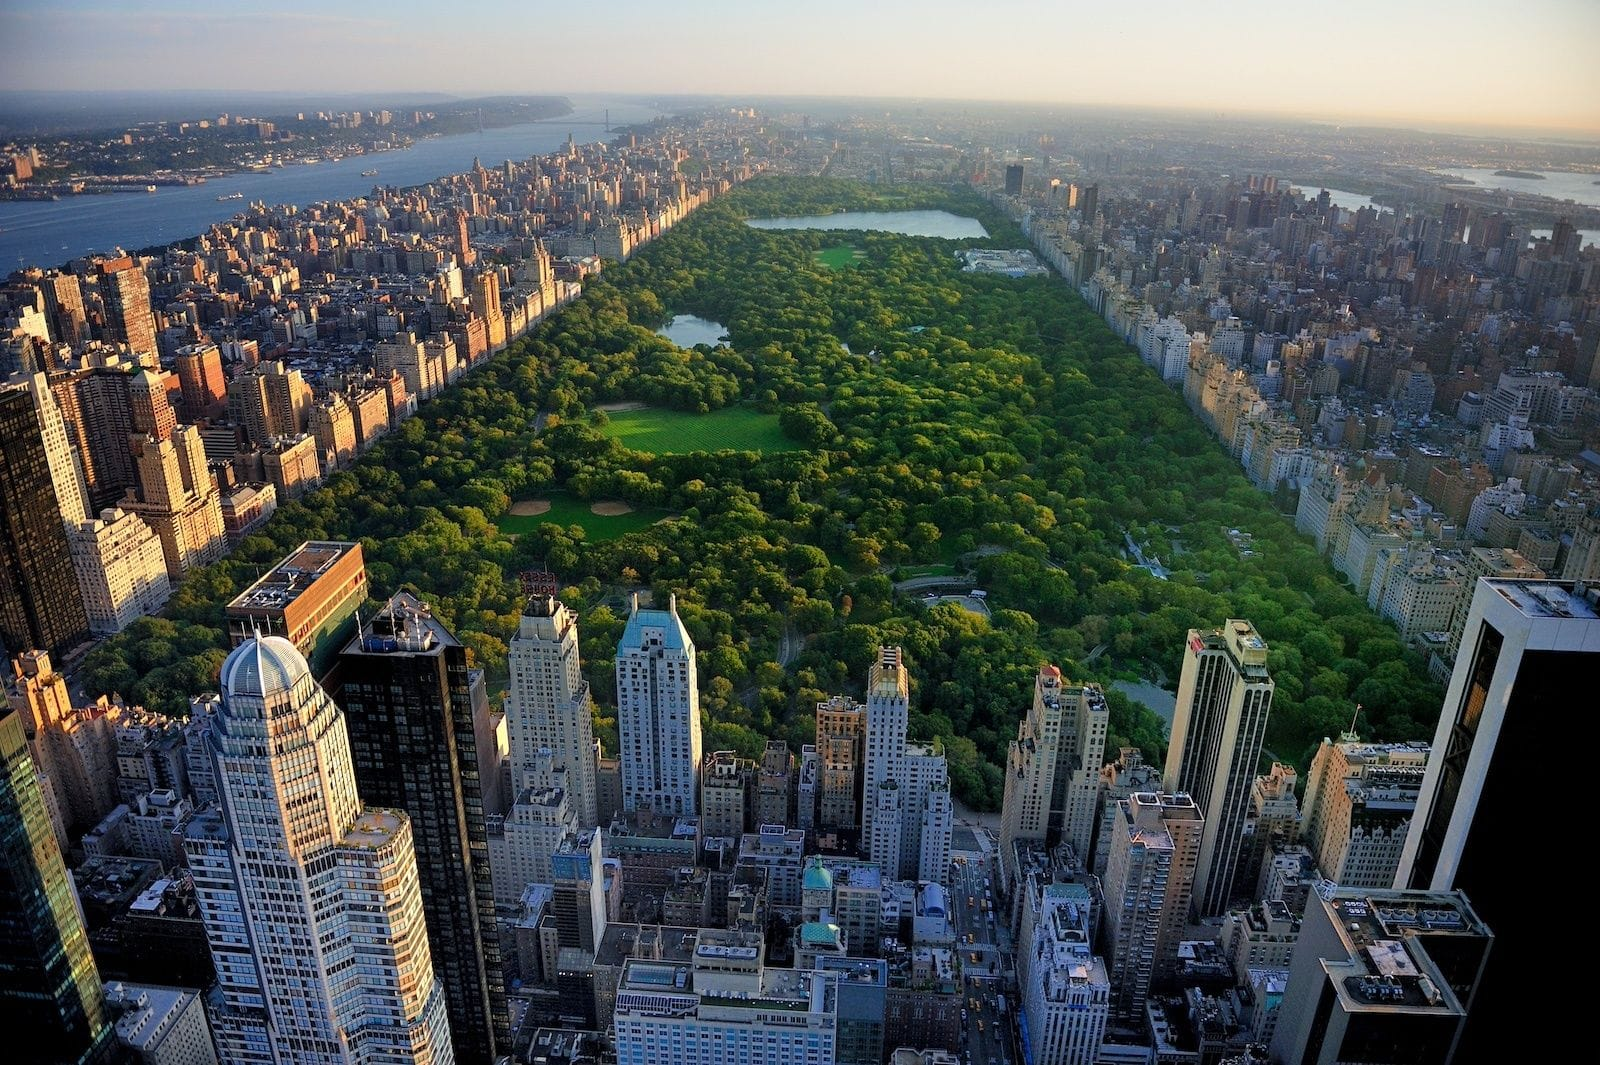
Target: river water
{"x": 50, "y": 233}
{"x": 1557, "y": 184}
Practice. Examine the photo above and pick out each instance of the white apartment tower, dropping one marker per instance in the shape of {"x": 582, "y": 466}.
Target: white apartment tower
{"x": 1053, "y": 767}
{"x": 1068, "y": 990}
{"x": 310, "y": 902}
{"x": 121, "y": 570}
{"x": 888, "y": 711}
{"x": 907, "y": 815}
{"x": 1224, "y": 695}
{"x": 929, "y": 819}
{"x": 658, "y": 712}
{"x": 548, "y": 707}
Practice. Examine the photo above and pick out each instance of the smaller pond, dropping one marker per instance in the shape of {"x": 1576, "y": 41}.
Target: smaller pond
{"x": 1161, "y": 701}
{"x": 686, "y": 330}
{"x": 906, "y": 223}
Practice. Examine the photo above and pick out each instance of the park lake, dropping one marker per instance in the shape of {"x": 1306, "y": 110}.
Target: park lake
{"x": 686, "y": 330}
{"x": 906, "y": 223}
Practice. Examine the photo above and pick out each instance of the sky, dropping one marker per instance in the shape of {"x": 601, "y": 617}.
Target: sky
{"x": 1533, "y": 63}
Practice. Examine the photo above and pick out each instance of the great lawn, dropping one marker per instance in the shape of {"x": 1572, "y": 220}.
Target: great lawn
{"x": 839, "y": 256}
{"x": 672, "y": 432}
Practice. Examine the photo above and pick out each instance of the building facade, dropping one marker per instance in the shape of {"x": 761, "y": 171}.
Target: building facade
{"x": 1053, "y": 767}
{"x": 549, "y": 706}
{"x": 1224, "y": 696}
{"x": 1155, "y": 851}
{"x": 1529, "y": 651}
{"x": 1360, "y": 799}
{"x": 40, "y": 604}
{"x": 658, "y": 712}
{"x": 408, "y": 698}
{"x": 49, "y": 987}
{"x": 1068, "y": 993}
{"x": 310, "y": 900}
{"x": 121, "y": 570}
{"x": 1382, "y": 976}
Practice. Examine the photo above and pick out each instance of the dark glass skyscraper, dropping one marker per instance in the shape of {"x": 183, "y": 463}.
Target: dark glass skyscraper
{"x": 1530, "y": 655}
{"x": 409, "y": 702}
{"x": 50, "y": 995}
{"x": 40, "y": 606}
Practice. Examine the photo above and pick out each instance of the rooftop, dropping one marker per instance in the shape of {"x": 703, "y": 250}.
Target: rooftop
{"x": 374, "y": 828}
{"x": 1548, "y": 599}
{"x": 406, "y": 625}
{"x": 289, "y": 579}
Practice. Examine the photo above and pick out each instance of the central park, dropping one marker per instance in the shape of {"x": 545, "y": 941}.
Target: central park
{"x": 875, "y": 413}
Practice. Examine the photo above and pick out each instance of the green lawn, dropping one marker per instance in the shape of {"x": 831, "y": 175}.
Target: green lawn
{"x": 673, "y": 432}
{"x": 839, "y": 256}
{"x": 567, "y": 510}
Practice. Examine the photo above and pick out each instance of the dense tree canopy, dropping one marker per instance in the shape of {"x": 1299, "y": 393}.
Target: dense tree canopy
{"x": 991, "y": 423}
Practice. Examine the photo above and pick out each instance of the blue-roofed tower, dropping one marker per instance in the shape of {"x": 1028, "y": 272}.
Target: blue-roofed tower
{"x": 658, "y": 712}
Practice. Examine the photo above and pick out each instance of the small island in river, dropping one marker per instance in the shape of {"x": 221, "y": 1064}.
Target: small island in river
{"x": 1525, "y": 174}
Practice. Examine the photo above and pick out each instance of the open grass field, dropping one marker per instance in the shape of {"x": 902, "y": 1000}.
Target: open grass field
{"x": 672, "y": 432}
{"x": 839, "y": 256}
{"x": 567, "y": 510}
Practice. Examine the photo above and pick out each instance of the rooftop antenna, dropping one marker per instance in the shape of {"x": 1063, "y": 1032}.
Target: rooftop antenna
{"x": 1352, "y": 731}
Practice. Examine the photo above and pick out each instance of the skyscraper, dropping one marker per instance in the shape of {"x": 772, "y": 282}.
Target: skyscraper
{"x": 151, "y": 409}
{"x": 725, "y": 799}
{"x": 121, "y": 569}
{"x": 178, "y": 497}
{"x": 1089, "y": 202}
{"x": 1530, "y": 653}
{"x": 906, "y": 808}
{"x": 74, "y": 749}
{"x": 774, "y": 785}
{"x": 50, "y": 994}
{"x": 1053, "y": 767}
{"x": 549, "y": 706}
{"x": 1068, "y": 991}
{"x": 203, "y": 384}
{"x": 63, "y": 302}
{"x": 1155, "y": 848}
{"x": 408, "y": 701}
{"x": 126, "y": 293}
{"x": 310, "y": 901}
{"x": 658, "y": 712}
{"x": 1014, "y": 179}
{"x": 888, "y": 709}
{"x": 97, "y": 405}
{"x": 841, "y": 736}
{"x": 1224, "y": 695}
{"x": 40, "y": 605}
{"x": 1383, "y": 976}
{"x": 1360, "y": 799}
{"x": 65, "y": 472}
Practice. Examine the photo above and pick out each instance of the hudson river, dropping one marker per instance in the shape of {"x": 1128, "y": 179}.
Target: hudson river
{"x": 52, "y": 232}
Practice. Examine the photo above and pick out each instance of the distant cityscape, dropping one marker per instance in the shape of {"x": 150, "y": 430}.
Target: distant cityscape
{"x": 377, "y": 836}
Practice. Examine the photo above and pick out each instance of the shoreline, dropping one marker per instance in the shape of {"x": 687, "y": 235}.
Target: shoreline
{"x": 616, "y": 133}
{"x": 101, "y": 185}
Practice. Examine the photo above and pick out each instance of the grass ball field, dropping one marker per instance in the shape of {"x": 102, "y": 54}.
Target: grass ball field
{"x": 673, "y": 432}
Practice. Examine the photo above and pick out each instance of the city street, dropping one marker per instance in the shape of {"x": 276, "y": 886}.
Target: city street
{"x": 982, "y": 942}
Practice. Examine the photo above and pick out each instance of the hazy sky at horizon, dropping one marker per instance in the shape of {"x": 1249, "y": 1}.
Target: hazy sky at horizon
{"x": 1460, "y": 63}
